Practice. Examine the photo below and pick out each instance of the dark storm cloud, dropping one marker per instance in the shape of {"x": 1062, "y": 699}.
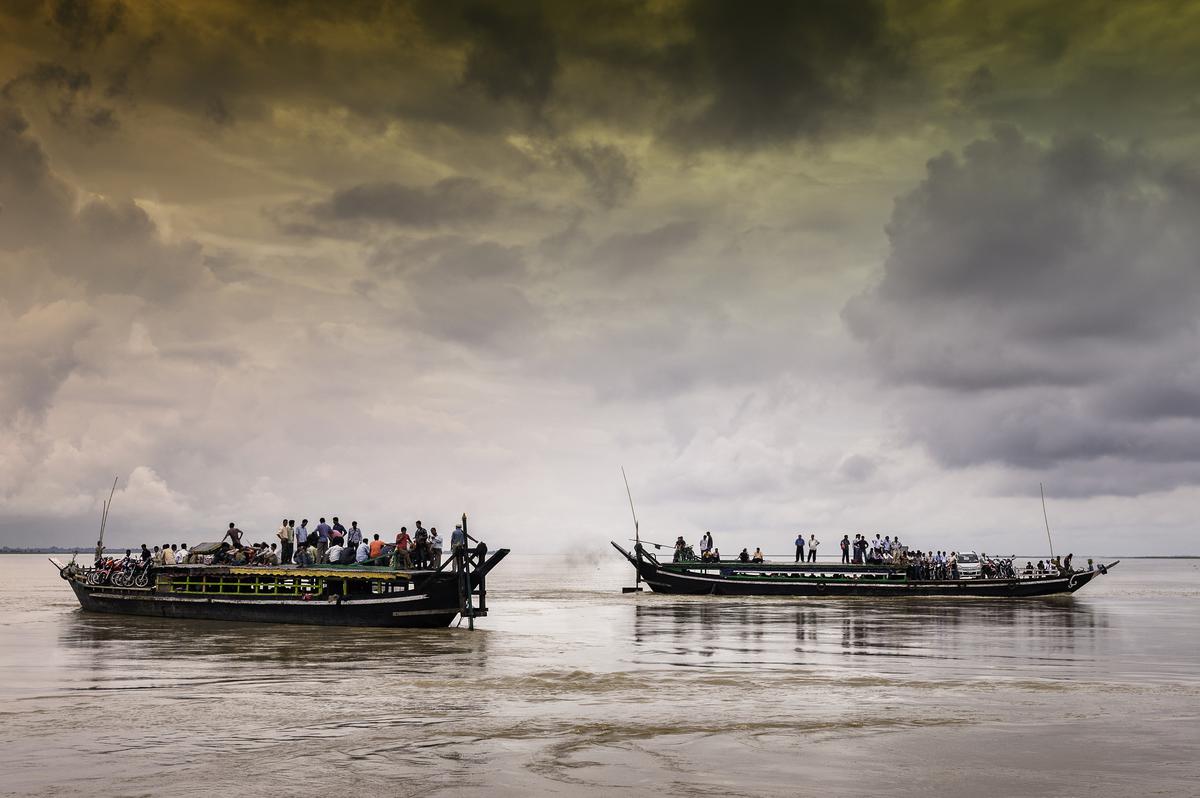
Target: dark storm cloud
{"x": 86, "y": 23}
{"x": 31, "y": 198}
{"x": 65, "y": 92}
{"x": 107, "y": 245}
{"x": 466, "y": 291}
{"x": 1038, "y": 296}
{"x": 610, "y": 177}
{"x": 697, "y": 74}
{"x": 511, "y": 51}
{"x": 773, "y": 71}
{"x": 450, "y": 201}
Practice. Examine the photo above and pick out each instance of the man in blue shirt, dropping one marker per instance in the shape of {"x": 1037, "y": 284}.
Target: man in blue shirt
{"x": 354, "y": 536}
{"x": 323, "y": 530}
{"x": 302, "y": 533}
{"x": 458, "y": 541}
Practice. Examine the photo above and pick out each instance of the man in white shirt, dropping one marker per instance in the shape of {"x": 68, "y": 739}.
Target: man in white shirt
{"x": 363, "y": 553}
{"x": 333, "y": 553}
{"x": 181, "y": 555}
{"x": 435, "y": 547}
{"x": 812, "y": 548}
{"x": 286, "y": 537}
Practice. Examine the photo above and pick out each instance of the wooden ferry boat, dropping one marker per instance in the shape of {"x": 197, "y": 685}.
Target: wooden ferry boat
{"x": 736, "y": 578}
{"x": 326, "y": 595}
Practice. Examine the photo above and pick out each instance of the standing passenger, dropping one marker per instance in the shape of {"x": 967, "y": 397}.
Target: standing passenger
{"x": 235, "y": 536}
{"x": 435, "y": 548}
{"x": 354, "y": 536}
{"x": 800, "y": 547}
{"x": 323, "y": 531}
{"x": 420, "y": 545}
{"x": 845, "y": 549}
{"x": 812, "y": 548}
{"x": 301, "y": 538}
{"x": 458, "y": 545}
{"x": 403, "y": 548}
{"x": 286, "y": 535}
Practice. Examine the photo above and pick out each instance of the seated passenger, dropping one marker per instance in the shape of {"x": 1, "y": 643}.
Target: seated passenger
{"x": 376, "y": 547}
{"x": 363, "y": 553}
{"x": 333, "y": 553}
{"x": 744, "y": 556}
{"x": 758, "y": 555}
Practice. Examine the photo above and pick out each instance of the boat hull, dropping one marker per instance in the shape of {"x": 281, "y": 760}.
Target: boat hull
{"x": 318, "y": 596}
{"x": 809, "y": 582}
{"x": 423, "y": 610}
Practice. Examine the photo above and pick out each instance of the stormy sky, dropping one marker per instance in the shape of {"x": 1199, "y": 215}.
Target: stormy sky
{"x": 823, "y": 266}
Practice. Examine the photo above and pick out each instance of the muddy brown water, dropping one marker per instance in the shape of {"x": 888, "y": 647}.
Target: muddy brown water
{"x": 572, "y": 688}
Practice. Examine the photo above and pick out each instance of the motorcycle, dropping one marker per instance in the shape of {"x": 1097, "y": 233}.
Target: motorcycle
{"x": 102, "y": 573}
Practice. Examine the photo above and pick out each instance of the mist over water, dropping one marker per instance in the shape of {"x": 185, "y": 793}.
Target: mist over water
{"x": 570, "y": 687}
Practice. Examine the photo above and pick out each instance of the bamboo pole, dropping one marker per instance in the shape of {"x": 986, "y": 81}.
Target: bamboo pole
{"x": 1047, "y": 520}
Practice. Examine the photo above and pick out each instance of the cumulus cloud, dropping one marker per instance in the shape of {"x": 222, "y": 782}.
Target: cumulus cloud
{"x": 1036, "y": 297}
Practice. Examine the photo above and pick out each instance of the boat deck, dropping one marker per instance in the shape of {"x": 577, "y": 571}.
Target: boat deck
{"x": 317, "y": 571}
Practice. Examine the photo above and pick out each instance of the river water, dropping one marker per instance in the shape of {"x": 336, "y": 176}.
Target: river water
{"x": 572, "y": 688}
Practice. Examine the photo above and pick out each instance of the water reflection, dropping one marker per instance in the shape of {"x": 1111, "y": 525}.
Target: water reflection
{"x": 943, "y": 629}
{"x": 114, "y": 645}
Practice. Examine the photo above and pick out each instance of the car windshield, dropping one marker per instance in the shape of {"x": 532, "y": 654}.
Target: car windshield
{"x": 968, "y": 557}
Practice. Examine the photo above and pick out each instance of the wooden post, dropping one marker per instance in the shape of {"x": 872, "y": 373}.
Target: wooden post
{"x": 466, "y": 576}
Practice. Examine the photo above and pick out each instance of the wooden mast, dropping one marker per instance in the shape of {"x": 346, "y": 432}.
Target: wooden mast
{"x": 104, "y": 514}
{"x": 637, "y": 539}
{"x": 1047, "y": 520}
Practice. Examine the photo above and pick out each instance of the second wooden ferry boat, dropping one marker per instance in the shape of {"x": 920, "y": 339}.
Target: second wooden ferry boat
{"x": 736, "y": 578}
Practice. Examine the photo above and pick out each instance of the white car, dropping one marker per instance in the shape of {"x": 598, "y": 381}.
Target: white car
{"x": 968, "y": 565}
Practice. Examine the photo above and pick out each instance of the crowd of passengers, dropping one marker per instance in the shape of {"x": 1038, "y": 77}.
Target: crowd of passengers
{"x": 324, "y": 544}
{"x": 887, "y": 550}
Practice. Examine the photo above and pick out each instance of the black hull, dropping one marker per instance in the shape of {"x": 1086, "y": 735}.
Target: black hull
{"x": 676, "y": 582}
{"x": 415, "y": 599}
{"x": 438, "y": 608}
